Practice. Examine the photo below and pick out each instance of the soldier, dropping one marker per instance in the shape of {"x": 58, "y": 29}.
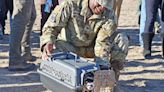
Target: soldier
{"x": 87, "y": 28}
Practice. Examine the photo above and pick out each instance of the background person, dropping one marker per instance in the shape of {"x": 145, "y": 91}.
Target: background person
{"x": 148, "y": 34}
{"x": 5, "y": 6}
{"x": 24, "y": 15}
{"x": 142, "y": 21}
{"x": 45, "y": 14}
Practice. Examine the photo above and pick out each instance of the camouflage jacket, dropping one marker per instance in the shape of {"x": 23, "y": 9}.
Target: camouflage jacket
{"x": 79, "y": 26}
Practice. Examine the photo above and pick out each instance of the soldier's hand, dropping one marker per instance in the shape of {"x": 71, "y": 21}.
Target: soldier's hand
{"x": 47, "y": 50}
{"x": 96, "y": 7}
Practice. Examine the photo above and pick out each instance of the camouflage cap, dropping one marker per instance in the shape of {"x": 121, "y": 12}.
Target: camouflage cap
{"x": 106, "y": 3}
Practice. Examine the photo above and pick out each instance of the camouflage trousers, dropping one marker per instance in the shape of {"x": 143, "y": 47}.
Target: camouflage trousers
{"x": 117, "y": 49}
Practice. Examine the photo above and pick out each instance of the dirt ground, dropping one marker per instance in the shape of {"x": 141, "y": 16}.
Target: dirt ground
{"x": 139, "y": 75}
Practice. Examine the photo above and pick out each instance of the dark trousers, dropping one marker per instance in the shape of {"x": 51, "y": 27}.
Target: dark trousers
{"x": 151, "y": 13}
{"x": 23, "y": 18}
{"x": 45, "y": 15}
{"x": 5, "y": 6}
{"x": 9, "y": 6}
{"x": 2, "y": 14}
{"x": 2, "y": 22}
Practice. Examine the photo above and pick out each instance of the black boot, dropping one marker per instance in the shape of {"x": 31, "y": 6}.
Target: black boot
{"x": 147, "y": 41}
{"x": 162, "y": 39}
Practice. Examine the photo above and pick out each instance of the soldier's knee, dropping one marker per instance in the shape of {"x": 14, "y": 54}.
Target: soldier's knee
{"x": 119, "y": 51}
{"x": 122, "y": 41}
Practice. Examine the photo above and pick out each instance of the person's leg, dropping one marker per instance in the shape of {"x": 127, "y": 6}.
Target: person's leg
{"x": 110, "y": 52}
{"x": 139, "y": 11}
{"x": 119, "y": 51}
{"x": 26, "y": 42}
{"x": 10, "y": 9}
{"x": 2, "y": 15}
{"x": 44, "y": 17}
{"x": 118, "y": 54}
{"x": 162, "y": 24}
{"x": 2, "y": 22}
{"x": 118, "y": 8}
{"x": 0, "y": 32}
{"x": 102, "y": 49}
{"x": 151, "y": 10}
{"x": 54, "y": 3}
{"x": 1, "y": 28}
{"x": 10, "y": 6}
{"x": 142, "y": 21}
{"x": 148, "y": 34}
{"x": 21, "y": 17}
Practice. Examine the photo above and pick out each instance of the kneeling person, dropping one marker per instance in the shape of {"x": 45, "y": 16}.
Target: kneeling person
{"x": 87, "y": 28}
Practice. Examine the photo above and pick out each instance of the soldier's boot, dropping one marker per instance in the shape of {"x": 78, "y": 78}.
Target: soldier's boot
{"x": 162, "y": 39}
{"x": 147, "y": 42}
{"x": 29, "y": 57}
{"x": 26, "y": 53}
{"x": 104, "y": 81}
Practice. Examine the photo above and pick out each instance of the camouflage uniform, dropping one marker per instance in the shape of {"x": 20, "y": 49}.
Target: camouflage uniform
{"x": 73, "y": 27}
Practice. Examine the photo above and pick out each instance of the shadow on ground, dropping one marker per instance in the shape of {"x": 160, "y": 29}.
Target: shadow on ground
{"x": 20, "y": 81}
{"x": 143, "y": 85}
{"x": 4, "y": 44}
{"x": 144, "y": 64}
{"x": 134, "y": 36}
{"x": 148, "y": 79}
